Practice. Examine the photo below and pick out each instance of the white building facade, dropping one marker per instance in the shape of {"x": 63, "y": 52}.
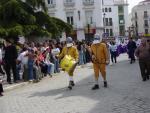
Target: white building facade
{"x": 115, "y": 13}
{"x": 141, "y": 18}
{"x": 88, "y": 17}
{"x": 85, "y": 15}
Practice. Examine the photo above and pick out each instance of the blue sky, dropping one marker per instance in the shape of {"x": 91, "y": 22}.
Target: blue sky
{"x": 132, "y": 3}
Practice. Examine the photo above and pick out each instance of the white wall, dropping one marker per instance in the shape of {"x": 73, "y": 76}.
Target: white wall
{"x": 140, "y": 14}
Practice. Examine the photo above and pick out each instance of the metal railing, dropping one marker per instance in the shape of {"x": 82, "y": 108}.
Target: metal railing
{"x": 51, "y": 5}
{"x": 69, "y": 3}
{"x": 88, "y": 2}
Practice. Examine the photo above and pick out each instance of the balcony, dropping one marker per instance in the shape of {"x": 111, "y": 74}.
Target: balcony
{"x": 88, "y": 2}
{"x": 51, "y": 5}
{"x": 120, "y": 2}
{"x": 146, "y": 25}
{"x": 134, "y": 18}
{"x": 70, "y": 3}
{"x": 145, "y": 16}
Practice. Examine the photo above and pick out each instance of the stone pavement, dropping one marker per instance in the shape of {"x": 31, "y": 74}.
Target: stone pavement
{"x": 126, "y": 93}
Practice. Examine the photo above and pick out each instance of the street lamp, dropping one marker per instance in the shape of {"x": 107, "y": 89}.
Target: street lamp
{"x": 79, "y": 15}
{"x": 104, "y": 21}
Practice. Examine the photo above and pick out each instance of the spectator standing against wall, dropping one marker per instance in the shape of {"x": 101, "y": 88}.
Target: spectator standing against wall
{"x": 54, "y": 52}
{"x": 1, "y": 73}
{"x": 10, "y": 61}
{"x": 81, "y": 53}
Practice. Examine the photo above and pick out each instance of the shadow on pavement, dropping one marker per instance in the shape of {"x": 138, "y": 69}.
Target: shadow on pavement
{"x": 124, "y": 83}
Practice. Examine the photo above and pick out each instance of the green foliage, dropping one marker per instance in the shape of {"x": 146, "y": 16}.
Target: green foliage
{"x": 25, "y": 18}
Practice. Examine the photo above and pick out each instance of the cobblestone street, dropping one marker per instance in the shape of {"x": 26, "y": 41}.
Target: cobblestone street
{"x": 126, "y": 93}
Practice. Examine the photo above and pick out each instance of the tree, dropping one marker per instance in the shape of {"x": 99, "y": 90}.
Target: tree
{"x": 29, "y": 18}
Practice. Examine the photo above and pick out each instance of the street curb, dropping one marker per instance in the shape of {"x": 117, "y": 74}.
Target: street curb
{"x": 15, "y": 86}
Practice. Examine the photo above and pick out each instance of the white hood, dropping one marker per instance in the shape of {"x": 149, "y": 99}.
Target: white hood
{"x": 97, "y": 39}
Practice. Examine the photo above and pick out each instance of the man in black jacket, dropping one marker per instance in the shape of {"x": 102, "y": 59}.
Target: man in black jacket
{"x": 10, "y": 61}
{"x": 131, "y": 46}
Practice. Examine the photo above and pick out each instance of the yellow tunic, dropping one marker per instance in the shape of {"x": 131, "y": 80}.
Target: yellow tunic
{"x": 72, "y": 51}
{"x": 100, "y": 52}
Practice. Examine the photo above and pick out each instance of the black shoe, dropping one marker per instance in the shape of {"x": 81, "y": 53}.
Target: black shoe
{"x": 70, "y": 87}
{"x": 9, "y": 82}
{"x": 15, "y": 81}
{"x": 95, "y": 87}
{"x": 147, "y": 77}
{"x": 105, "y": 84}
{"x": 1, "y": 95}
{"x": 144, "y": 79}
{"x": 72, "y": 83}
{"x": 3, "y": 73}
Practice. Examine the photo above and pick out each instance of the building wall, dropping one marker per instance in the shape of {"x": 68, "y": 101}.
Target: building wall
{"x": 139, "y": 9}
{"x": 114, "y": 14}
{"x": 80, "y": 25}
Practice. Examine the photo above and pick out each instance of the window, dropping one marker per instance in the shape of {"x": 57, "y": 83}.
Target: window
{"x": 105, "y": 9}
{"x": 145, "y": 14}
{"x": 120, "y": 9}
{"x": 109, "y": 9}
{"x": 121, "y": 19}
{"x": 111, "y": 32}
{"x": 122, "y": 30}
{"x": 107, "y": 31}
{"x": 110, "y": 21}
{"x": 50, "y": 1}
{"x": 136, "y": 15}
{"x": 69, "y": 1}
{"x": 146, "y": 23}
{"x": 146, "y": 31}
{"x": 89, "y": 17}
{"x": 106, "y": 22}
{"x": 70, "y": 18}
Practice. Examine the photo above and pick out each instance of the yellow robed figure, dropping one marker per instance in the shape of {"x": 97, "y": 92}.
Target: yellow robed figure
{"x": 69, "y": 59}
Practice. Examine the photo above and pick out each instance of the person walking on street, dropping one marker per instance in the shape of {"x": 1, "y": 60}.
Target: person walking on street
{"x": 71, "y": 50}
{"x": 143, "y": 54}
{"x": 10, "y": 61}
{"x": 131, "y": 46}
{"x": 100, "y": 58}
{"x": 113, "y": 52}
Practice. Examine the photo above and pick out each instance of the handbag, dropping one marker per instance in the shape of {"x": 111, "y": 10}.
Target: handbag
{"x": 67, "y": 63}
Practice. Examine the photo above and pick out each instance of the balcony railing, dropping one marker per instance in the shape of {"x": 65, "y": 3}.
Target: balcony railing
{"x": 51, "y": 5}
{"x": 146, "y": 25}
{"x": 134, "y": 18}
{"x": 145, "y": 16}
{"x": 88, "y": 2}
{"x": 69, "y": 3}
